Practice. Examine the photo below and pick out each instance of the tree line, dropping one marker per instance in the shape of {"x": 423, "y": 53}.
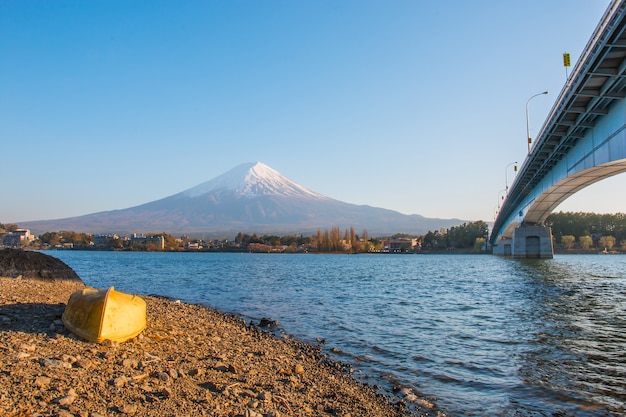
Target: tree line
{"x": 472, "y": 235}
{"x": 8, "y": 227}
{"x": 571, "y": 230}
{"x": 586, "y": 231}
{"x": 469, "y": 237}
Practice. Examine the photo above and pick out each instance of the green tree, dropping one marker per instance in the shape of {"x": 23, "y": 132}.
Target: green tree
{"x": 581, "y": 224}
{"x": 326, "y": 246}
{"x": 607, "y": 242}
{"x": 115, "y": 243}
{"x": 434, "y": 240}
{"x": 355, "y": 245}
{"x": 319, "y": 240}
{"x": 585, "y": 242}
{"x": 568, "y": 241}
{"x": 335, "y": 239}
{"x": 465, "y": 235}
{"x": 479, "y": 244}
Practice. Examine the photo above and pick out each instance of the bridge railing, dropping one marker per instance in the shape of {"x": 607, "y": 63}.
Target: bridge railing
{"x": 533, "y": 161}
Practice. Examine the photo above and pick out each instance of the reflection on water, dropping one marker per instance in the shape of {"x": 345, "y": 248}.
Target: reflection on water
{"x": 577, "y": 349}
{"x": 479, "y": 335}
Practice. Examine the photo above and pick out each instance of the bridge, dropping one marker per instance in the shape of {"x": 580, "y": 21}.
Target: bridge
{"x": 582, "y": 141}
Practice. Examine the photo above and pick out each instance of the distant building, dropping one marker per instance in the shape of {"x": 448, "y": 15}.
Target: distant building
{"x": 401, "y": 245}
{"x": 192, "y": 246}
{"x": 142, "y": 241}
{"x": 103, "y": 240}
{"x": 16, "y": 238}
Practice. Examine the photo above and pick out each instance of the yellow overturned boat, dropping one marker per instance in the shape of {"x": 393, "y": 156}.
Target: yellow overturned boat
{"x": 98, "y": 315}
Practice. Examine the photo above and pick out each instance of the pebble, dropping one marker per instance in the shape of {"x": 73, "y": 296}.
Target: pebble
{"x": 130, "y": 363}
{"x": 299, "y": 369}
{"x": 197, "y": 372}
{"x": 54, "y": 363}
{"x": 222, "y": 367}
{"x": 120, "y": 381}
{"x": 42, "y": 381}
{"x": 425, "y": 403}
{"x": 250, "y": 393}
{"x": 167, "y": 393}
{"x": 252, "y": 413}
{"x": 84, "y": 363}
{"x": 66, "y": 400}
{"x": 27, "y": 348}
{"x": 140, "y": 377}
{"x": 264, "y": 396}
{"x": 68, "y": 358}
{"x": 128, "y": 409}
{"x": 257, "y": 375}
{"x": 151, "y": 358}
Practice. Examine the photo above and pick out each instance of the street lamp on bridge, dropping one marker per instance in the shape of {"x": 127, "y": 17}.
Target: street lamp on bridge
{"x": 527, "y": 121}
{"x": 501, "y": 196}
{"x": 506, "y": 179}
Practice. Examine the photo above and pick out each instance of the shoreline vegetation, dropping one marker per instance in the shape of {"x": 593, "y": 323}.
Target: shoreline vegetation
{"x": 190, "y": 361}
{"x": 573, "y": 233}
{"x": 467, "y": 237}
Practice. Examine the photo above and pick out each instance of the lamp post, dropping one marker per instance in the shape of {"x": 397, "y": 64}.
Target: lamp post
{"x": 499, "y": 194}
{"x": 527, "y": 121}
{"x": 506, "y": 179}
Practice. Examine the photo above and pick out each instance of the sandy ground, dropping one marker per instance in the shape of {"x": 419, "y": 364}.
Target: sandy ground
{"x": 190, "y": 361}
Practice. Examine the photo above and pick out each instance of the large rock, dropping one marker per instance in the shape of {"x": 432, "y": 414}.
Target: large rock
{"x": 34, "y": 265}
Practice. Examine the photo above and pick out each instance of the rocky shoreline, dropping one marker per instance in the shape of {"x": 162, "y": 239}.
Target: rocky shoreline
{"x": 190, "y": 361}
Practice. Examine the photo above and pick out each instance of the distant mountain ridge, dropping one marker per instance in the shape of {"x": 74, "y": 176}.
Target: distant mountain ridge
{"x": 250, "y": 198}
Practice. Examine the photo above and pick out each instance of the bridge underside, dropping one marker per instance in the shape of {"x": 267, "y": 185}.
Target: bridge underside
{"x": 543, "y": 205}
{"x": 548, "y": 201}
{"x": 582, "y": 141}
{"x": 599, "y": 154}
{"x": 527, "y": 237}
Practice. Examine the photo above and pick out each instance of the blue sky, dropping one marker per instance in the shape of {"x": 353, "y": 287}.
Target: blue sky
{"x": 415, "y": 106}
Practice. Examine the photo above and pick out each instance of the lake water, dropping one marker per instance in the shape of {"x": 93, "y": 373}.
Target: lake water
{"x": 478, "y": 335}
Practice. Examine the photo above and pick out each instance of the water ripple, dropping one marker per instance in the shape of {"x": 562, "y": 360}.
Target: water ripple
{"x": 480, "y": 335}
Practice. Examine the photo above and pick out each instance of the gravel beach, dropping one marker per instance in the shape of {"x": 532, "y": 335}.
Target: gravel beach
{"x": 189, "y": 361}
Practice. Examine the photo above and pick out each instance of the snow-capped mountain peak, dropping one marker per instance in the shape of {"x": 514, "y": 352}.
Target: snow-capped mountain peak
{"x": 249, "y": 198}
{"x": 252, "y": 180}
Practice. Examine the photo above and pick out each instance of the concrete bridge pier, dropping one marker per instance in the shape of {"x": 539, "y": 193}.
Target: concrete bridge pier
{"x": 528, "y": 242}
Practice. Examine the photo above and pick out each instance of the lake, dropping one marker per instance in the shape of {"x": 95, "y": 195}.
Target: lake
{"x": 477, "y": 334}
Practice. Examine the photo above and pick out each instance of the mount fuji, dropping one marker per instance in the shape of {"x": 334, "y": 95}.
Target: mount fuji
{"x": 250, "y": 198}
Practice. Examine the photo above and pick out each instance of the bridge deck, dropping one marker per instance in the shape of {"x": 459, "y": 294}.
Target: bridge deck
{"x": 596, "y": 83}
